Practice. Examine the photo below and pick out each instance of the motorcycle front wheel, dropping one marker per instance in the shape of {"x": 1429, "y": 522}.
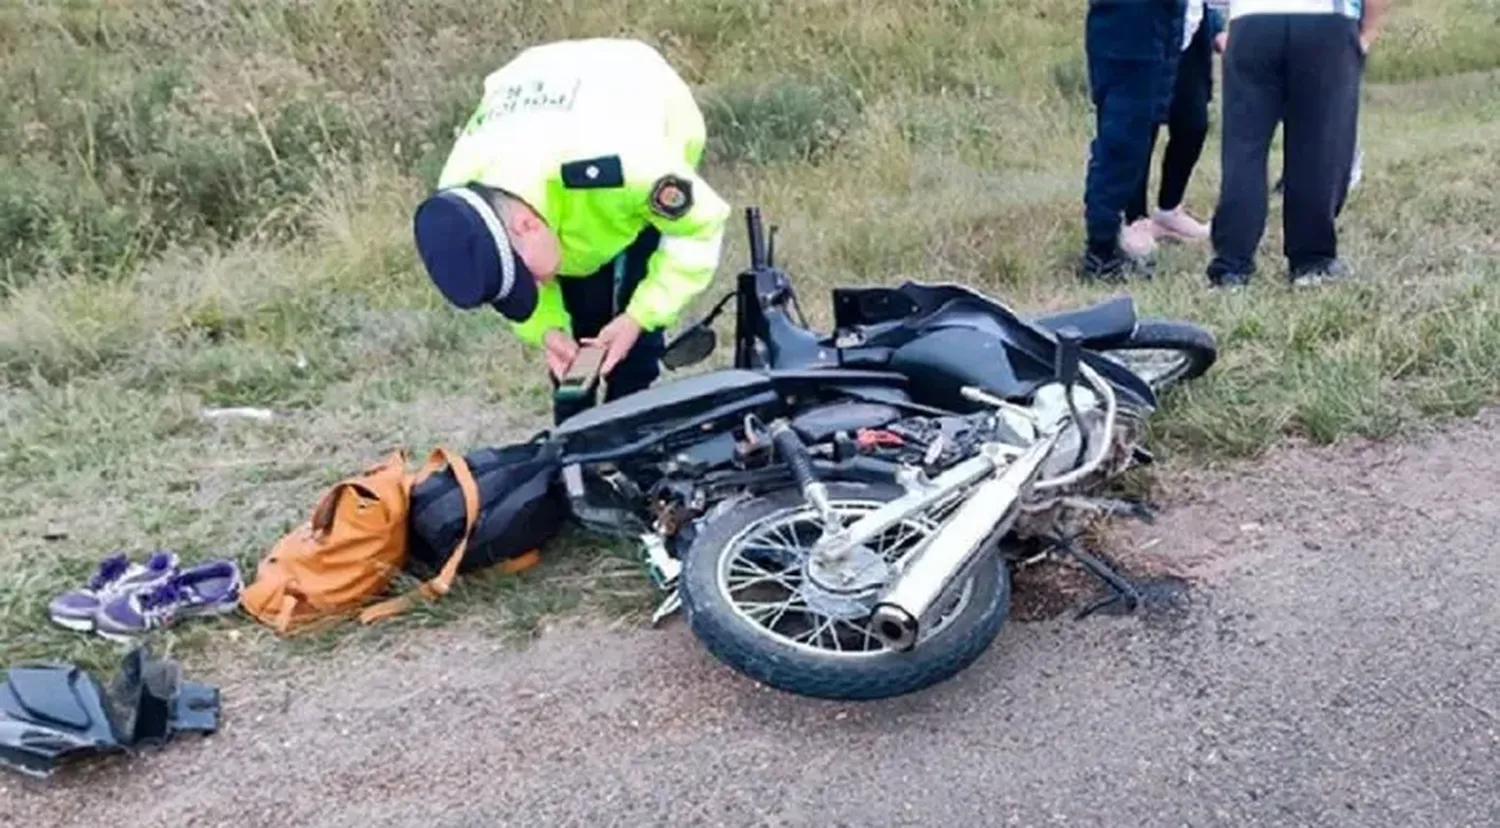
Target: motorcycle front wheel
{"x": 1166, "y": 352}
{"x": 748, "y": 600}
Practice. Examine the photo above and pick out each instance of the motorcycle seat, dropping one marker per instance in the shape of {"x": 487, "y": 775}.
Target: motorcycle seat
{"x": 1102, "y": 324}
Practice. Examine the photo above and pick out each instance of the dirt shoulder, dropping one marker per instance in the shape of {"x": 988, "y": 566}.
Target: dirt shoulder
{"x": 1334, "y": 667}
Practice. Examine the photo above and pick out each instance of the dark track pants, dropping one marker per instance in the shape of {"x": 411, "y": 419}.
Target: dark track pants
{"x": 593, "y": 301}
{"x": 1302, "y": 71}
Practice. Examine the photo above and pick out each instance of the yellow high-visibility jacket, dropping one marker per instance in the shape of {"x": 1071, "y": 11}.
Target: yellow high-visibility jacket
{"x": 602, "y": 138}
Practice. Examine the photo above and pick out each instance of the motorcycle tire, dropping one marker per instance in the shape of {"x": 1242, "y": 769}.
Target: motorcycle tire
{"x": 1197, "y": 345}
{"x": 756, "y": 653}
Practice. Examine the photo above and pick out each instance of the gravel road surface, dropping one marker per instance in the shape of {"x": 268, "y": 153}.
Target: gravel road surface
{"x": 1338, "y": 664}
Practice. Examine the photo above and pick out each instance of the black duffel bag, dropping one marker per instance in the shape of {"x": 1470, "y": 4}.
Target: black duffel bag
{"x": 521, "y": 507}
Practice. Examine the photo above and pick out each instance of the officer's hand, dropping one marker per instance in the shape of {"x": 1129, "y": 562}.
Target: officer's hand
{"x": 560, "y": 349}
{"x": 616, "y": 338}
{"x": 1221, "y": 42}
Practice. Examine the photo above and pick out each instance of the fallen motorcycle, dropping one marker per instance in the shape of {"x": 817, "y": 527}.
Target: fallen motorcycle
{"x": 839, "y": 514}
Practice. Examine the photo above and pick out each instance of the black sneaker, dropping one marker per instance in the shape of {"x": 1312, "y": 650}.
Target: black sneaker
{"x": 1332, "y": 270}
{"x": 1228, "y": 280}
{"x": 1116, "y": 266}
{"x": 1221, "y": 276}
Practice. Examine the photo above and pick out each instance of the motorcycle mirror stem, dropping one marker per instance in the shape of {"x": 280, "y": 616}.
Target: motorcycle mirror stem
{"x": 1069, "y": 354}
{"x": 757, "y": 238}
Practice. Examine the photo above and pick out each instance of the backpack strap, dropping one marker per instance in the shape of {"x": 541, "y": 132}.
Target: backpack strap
{"x": 284, "y": 614}
{"x": 439, "y": 585}
{"x": 287, "y": 620}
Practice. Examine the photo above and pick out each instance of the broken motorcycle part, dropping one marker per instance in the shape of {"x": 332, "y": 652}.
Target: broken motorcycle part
{"x": 55, "y": 713}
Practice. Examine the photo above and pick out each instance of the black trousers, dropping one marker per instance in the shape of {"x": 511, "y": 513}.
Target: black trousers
{"x": 1187, "y": 130}
{"x": 593, "y": 301}
{"x": 1302, "y": 71}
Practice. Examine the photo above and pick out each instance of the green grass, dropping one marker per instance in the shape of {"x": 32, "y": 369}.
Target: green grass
{"x": 207, "y": 204}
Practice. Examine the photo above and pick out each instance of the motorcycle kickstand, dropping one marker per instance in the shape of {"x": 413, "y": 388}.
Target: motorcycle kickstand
{"x": 1121, "y": 589}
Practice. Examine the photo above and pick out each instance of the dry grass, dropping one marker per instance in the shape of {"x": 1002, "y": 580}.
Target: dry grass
{"x": 208, "y": 202}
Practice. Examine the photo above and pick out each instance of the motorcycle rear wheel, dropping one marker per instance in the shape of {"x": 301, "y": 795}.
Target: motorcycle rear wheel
{"x": 733, "y": 630}
{"x": 1193, "y": 351}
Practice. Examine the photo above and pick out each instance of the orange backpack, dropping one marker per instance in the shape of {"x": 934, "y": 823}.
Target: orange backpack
{"x": 351, "y": 549}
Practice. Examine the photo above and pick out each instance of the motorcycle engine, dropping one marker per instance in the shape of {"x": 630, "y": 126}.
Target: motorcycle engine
{"x": 934, "y": 443}
{"x": 937, "y": 443}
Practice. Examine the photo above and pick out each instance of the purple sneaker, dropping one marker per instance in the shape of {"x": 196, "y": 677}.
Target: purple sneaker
{"x": 76, "y": 608}
{"x": 211, "y": 588}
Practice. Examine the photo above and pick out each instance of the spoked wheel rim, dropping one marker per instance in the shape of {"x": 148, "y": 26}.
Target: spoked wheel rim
{"x": 762, "y": 576}
{"x": 1156, "y": 366}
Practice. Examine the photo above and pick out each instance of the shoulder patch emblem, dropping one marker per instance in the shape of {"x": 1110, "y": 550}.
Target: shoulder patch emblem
{"x": 672, "y": 196}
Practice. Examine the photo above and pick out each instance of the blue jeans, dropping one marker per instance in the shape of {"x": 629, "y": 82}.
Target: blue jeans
{"x": 1132, "y": 49}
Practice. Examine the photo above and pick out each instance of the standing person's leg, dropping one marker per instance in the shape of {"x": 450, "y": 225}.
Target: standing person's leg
{"x": 1097, "y": 215}
{"x": 1137, "y": 237}
{"x": 1137, "y": 207}
{"x": 1188, "y": 124}
{"x": 1321, "y": 119}
{"x": 1123, "y": 68}
{"x": 1357, "y": 166}
{"x": 1254, "y": 85}
{"x": 1357, "y": 163}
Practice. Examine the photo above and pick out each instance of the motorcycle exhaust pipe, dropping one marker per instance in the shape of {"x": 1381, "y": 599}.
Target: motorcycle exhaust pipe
{"x": 911, "y": 604}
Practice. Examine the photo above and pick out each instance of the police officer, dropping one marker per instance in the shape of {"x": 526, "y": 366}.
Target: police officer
{"x": 1132, "y": 47}
{"x": 571, "y": 203}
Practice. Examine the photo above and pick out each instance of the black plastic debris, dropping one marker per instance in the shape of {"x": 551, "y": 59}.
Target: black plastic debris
{"x": 54, "y": 713}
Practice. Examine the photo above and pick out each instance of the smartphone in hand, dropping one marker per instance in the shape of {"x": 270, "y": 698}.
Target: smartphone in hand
{"x": 582, "y": 374}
